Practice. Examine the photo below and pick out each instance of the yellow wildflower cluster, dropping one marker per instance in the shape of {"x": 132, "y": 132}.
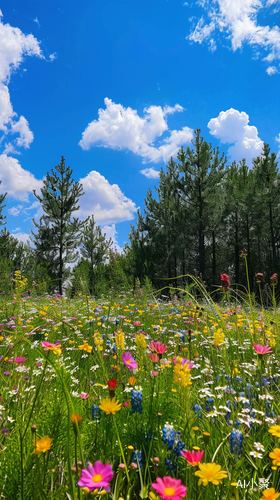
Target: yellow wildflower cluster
{"x": 98, "y": 341}
{"x": 119, "y": 338}
{"x": 218, "y": 336}
{"x": 182, "y": 374}
{"x": 20, "y": 281}
{"x": 140, "y": 340}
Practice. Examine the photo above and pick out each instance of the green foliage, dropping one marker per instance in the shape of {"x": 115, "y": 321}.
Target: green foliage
{"x": 62, "y": 235}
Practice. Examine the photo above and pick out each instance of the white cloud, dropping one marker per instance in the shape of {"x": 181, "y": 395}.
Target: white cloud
{"x": 232, "y": 127}
{"x": 271, "y": 70}
{"x": 122, "y": 128}
{"x": 25, "y": 135}
{"x": 111, "y": 232}
{"x": 104, "y": 200}
{"x": 15, "y": 211}
{"x": 24, "y": 237}
{"x": 53, "y": 56}
{"x": 15, "y": 180}
{"x": 237, "y": 20}
{"x": 14, "y": 46}
{"x": 151, "y": 173}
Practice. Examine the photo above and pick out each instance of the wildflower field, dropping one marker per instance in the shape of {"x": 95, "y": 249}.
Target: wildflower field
{"x": 133, "y": 397}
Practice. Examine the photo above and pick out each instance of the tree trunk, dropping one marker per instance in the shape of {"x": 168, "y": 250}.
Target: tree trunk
{"x": 213, "y": 257}
{"x": 274, "y": 256}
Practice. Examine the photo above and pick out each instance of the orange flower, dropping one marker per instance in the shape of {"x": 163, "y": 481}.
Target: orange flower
{"x": 132, "y": 381}
{"x": 76, "y": 418}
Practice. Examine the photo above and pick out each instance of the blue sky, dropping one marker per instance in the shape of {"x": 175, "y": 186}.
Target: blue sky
{"x": 118, "y": 87}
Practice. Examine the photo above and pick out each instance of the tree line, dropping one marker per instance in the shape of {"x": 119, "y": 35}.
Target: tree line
{"x": 206, "y": 212}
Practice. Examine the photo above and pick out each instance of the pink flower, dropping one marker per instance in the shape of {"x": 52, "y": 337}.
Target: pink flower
{"x": 84, "y": 395}
{"x": 47, "y": 345}
{"x": 20, "y": 360}
{"x": 125, "y": 403}
{"x": 183, "y": 362}
{"x": 157, "y": 347}
{"x": 96, "y": 476}
{"x": 129, "y": 361}
{"x": 169, "y": 488}
{"x": 154, "y": 374}
{"x": 136, "y": 323}
{"x": 262, "y": 349}
{"x": 154, "y": 357}
{"x": 193, "y": 457}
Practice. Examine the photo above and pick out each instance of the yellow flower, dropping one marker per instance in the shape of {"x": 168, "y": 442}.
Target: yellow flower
{"x": 182, "y": 374}
{"x": 85, "y": 347}
{"x": 275, "y": 455}
{"x": 219, "y": 337}
{"x": 110, "y": 406}
{"x": 270, "y": 494}
{"x": 42, "y": 445}
{"x": 210, "y": 473}
{"x": 140, "y": 340}
{"x": 275, "y": 430}
{"x": 119, "y": 338}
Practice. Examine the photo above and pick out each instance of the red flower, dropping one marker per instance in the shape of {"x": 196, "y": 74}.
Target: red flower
{"x": 225, "y": 282}
{"x": 112, "y": 384}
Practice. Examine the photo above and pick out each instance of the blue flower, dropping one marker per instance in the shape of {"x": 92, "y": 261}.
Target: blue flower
{"x": 95, "y": 412}
{"x": 136, "y": 402}
{"x": 236, "y": 440}
{"x": 137, "y": 454}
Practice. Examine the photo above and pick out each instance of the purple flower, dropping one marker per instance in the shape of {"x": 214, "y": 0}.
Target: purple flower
{"x": 129, "y": 361}
{"x": 6, "y": 373}
{"x": 96, "y": 476}
{"x": 5, "y": 431}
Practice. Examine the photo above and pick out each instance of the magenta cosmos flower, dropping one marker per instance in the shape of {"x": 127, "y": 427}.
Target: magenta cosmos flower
{"x": 169, "y": 488}
{"x": 20, "y": 360}
{"x": 260, "y": 349}
{"x": 129, "y": 361}
{"x": 193, "y": 457}
{"x": 157, "y": 347}
{"x": 96, "y": 476}
{"x": 184, "y": 362}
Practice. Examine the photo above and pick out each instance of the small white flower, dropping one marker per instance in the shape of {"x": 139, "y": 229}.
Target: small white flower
{"x": 259, "y": 447}
{"x": 256, "y": 454}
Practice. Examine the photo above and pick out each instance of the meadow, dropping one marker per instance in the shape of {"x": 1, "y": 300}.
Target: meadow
{"x": 133, "y": 396}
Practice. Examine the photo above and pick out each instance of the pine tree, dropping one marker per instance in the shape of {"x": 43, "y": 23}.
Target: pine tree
{"x": 2, "y": 199}
{"x": 94, "y": 248}
{"x": 59, "y": 200}
{"x": 203, "y": 171}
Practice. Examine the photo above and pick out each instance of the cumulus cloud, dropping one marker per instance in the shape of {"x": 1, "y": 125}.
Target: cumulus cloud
{"x": 232, "y": 127}
{"x": 15, "y": 180}
{"x": 122, "y": 128}
{"x": 237, "y": 20}
{"x": 151, "y": 173}
{"x": 14, "y": 46}
{"x": 271, "y": 70}
{"x": 106, "y": 201}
